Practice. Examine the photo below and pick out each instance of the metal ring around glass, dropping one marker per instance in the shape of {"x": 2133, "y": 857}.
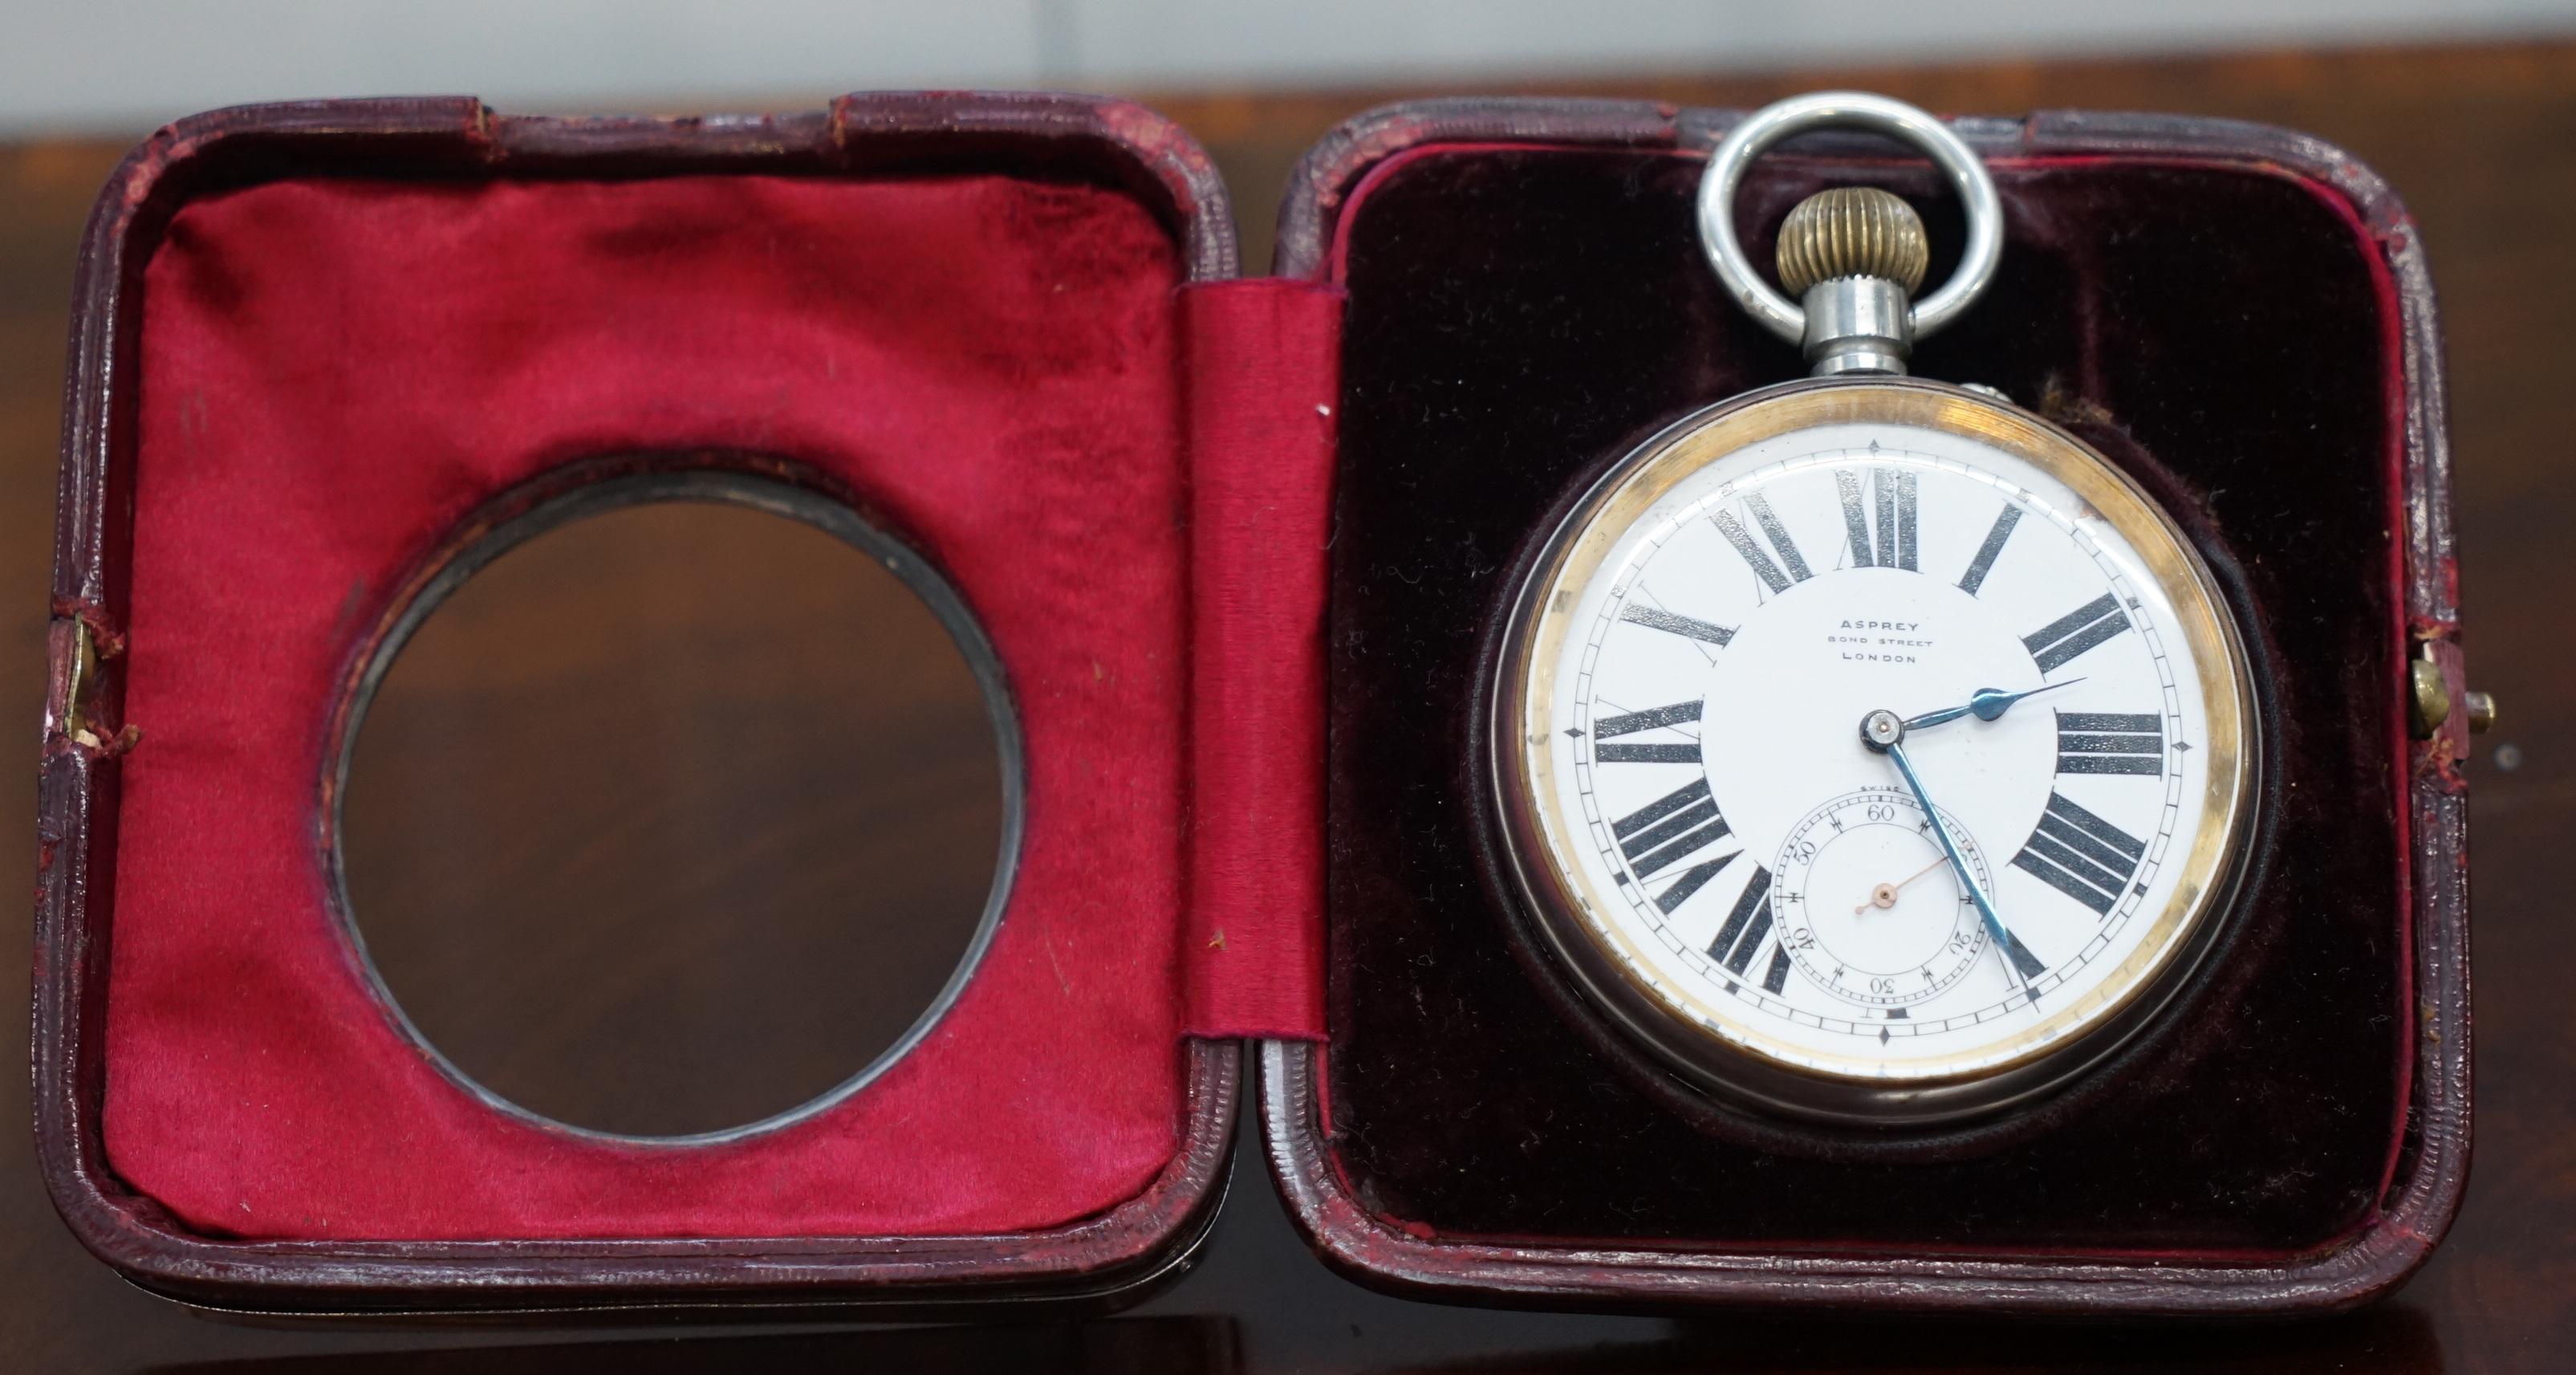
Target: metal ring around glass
{"x": 1765, "y": 127}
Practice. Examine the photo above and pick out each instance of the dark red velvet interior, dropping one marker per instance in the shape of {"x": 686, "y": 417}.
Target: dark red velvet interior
{"x": 335, "y": 372}
{"x": 1518, "y": 316}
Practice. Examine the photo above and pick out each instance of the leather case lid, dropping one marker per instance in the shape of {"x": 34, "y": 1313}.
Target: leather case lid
{"x": 318, "y": 347}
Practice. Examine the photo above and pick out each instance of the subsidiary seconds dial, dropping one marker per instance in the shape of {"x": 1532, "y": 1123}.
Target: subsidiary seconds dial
{"x": 1953, "y": 913}
{"x": 1868, "y": 907}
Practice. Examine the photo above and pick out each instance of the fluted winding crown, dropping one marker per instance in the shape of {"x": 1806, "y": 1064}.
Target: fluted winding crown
{"x": 1852, "y": 231}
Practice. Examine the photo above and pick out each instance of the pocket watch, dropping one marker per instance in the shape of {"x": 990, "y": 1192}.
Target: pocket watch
{"x": 1867, "y": 748}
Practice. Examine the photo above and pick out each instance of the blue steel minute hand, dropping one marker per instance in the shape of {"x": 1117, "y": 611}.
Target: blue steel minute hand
{"x": 1883, "y": 733}
{"x": 1986, "y": 704}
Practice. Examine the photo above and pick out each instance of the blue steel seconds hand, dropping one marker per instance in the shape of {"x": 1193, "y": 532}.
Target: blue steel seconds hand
{"x": 1884, "y": 733}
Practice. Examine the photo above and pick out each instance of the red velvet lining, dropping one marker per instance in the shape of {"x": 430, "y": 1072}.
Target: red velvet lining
{"x": 335, "y": 372}
{"x": 1264, "y": 375}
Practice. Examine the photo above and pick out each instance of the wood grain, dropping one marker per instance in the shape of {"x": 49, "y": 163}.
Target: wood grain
{"x": 2481, "y": 142}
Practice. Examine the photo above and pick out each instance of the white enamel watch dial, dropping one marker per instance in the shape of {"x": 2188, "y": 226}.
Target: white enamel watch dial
{"x": 1791, "y": 912}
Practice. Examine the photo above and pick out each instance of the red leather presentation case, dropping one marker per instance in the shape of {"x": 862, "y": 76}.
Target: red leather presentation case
{"x": 1237, "y": 544}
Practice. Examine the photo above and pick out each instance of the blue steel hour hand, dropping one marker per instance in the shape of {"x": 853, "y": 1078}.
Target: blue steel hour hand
{"x": 1985, "y": 704}
{"x": 1884, "y": 734}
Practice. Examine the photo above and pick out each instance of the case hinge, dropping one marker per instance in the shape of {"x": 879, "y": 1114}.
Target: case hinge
{"x": 1264, "y": 379}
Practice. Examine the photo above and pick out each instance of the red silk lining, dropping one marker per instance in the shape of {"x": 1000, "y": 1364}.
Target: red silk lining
{"x": 1264, "y": 379}
{"x": 334, "y": 372}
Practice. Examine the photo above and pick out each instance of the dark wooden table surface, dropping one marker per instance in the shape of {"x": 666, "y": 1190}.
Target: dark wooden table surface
{"x": 2481, "y": 142}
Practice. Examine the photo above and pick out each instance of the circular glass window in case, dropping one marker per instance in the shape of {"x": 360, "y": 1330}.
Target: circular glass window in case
{"x": 675, "y": 802}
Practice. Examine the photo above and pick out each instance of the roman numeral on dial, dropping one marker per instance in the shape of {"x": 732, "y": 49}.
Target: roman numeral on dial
{"x": 1984, "y": 562}
{"x": 2081, "y": 855}
{"x": 1746, "y": 928}
{"x": 2022, "y": 959}
{"x": 1646, "y": 754}
{"x": 1650, "y": 719}
{"x": 2076, "y": 631}
{"x": 1692, "y": 880}
{"x": 1890, "y": 491}
{"x": 2110, "y": 742}
{"x": 1763, "y": 567}
{"x": 1653, "y": 718}
{"x": 1655, "y": 618}
{"x": 1669, "y": 830}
